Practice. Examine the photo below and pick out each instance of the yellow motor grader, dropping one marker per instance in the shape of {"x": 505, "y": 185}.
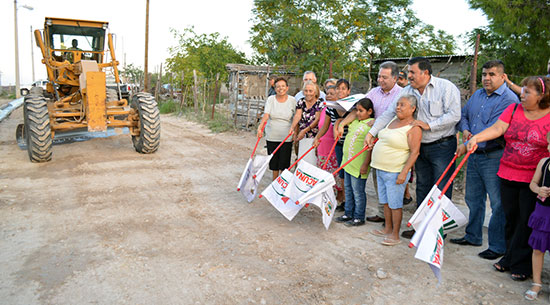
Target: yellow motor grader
{"x": 76, "y": 96}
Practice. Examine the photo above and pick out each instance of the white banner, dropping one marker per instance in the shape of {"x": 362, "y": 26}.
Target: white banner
{"x": 322, "y": 195}
{"x": 334, "y": 105}
{"x": 305, "y": 178}
{"x": 350, "y": 101}
{"x": 453, "y": 217}
{"x": 275, "y": 191}
{"x": 252, "y": 176}
{"x": 429, "y": 239}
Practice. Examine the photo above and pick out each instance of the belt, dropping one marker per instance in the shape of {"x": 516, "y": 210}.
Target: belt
{"x": 445, "y": 139}
{"x": 487, "y": 150}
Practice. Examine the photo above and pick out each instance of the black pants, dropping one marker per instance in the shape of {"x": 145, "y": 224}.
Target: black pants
{"x": 518, "y": 202}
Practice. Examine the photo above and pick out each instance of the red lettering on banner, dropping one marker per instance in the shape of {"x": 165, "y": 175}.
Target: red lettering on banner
{"x": 437, "y": 254}
{"x": 445, "y": 216}
{"x": 430, "y": 202}
{"x": 305, "y": 178}
{"x": 282, "y": 183}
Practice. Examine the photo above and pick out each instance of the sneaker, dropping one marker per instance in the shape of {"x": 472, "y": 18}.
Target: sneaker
{"x": 407, "y": 200}
{"x": 343, "y": 218}
{"x": 354, "y": 223}
{"x": 341, "y": 207}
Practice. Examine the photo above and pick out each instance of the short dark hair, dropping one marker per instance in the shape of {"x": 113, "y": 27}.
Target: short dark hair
{"x": 343, "y": 81}
{"x": 278, "y": 79}
{"x": 496, "y": 63}
{"x": 536, "y": 82}
{"x": 391, "y": 65}
{"x": 367, "y": 104}
{"x": 423, "y": 63}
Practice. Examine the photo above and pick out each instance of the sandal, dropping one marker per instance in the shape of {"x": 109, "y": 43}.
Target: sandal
{"x": 518, "y": 277}
{"x": 390, "y": 242}
{"x": 499, "y": 267}
{"x": 532, "y": 295}
{"x": 378, "y": 233}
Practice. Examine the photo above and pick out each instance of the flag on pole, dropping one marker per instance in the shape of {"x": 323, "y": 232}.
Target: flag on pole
{"x": 453, "y": 217}
{"x": 253, "y": 175}
{"x": 428, "y": 239}
{"x": 322, "y": 195}
{"x": 254, "y": 171}
{"x": 438, "y": 216}
{"x": 275, "y": 192}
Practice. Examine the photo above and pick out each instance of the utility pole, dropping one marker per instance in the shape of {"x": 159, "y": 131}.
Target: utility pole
{"x": 145, "y": 69}
{"x": 17, "y": 85}
{"x": 32, "y": 57}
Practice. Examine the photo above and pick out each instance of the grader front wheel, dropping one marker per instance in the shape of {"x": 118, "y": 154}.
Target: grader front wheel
{"x": 148, "y": 139}
{"x": 37, "y": 130}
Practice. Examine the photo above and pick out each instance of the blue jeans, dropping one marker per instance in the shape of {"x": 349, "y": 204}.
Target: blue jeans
{"x": 482, "y": 179}
{"x": 356, "y": 198}
{"x": 339, "y": 151}
{"x": 429, "y": 166}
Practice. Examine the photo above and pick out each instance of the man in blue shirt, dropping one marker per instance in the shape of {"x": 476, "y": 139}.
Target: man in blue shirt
{"x": 483, "y": 110}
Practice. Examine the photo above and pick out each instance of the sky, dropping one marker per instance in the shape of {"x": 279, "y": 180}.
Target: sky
{"x": 127, "y": 21}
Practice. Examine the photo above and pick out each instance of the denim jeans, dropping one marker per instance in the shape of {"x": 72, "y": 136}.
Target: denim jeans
{"x": 356, "y": 198}
{"x": 431, "y": 163}
{"x": 339, "y": 151}
{"x": 482, "y": 180}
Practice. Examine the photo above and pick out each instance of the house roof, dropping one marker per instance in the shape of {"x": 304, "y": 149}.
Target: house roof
{"x": 258, "y": 69}
{"x": 433, "y": 57}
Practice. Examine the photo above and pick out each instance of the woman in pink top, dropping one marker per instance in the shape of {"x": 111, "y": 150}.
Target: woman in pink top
{"x": 524, "y": 127}
{"x": 327, "y": 140}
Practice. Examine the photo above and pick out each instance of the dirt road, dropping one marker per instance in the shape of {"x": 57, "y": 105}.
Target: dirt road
{"x": 102, "y": 224}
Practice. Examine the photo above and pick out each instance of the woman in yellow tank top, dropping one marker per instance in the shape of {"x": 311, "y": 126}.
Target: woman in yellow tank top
{"x": 393, "y": 157}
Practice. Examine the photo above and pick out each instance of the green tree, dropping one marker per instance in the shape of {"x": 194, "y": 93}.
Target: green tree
{"x": 518, "y": 34}
{"x": 133, "y": 74}
{"x": 310, "y": 34}
{"x": 206, "y": 53}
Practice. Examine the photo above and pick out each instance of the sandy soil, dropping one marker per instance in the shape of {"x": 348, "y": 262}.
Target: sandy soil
{"x": 102, "y": 224}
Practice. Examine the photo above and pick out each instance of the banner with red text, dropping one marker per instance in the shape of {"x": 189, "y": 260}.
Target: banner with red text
{"x": 428, "y": 239}
{"x": 453, "y": 218}
{"x": 275, "y": 192}
{"x": 252, "y": 176}
{"x": 322, "y": 195}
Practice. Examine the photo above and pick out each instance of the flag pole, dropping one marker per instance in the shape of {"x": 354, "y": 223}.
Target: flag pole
{"x": 301, "y": 157}
{"x": 276, "y": 149}
{"x": 456, "y": 171}
{"x": 258, "y": 141}
{"x": 352, "y": 158}
{"x": 330, "y": 153}
{"x": 446, "y": 170}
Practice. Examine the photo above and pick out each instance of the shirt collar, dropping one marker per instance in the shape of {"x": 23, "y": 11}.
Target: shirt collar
{"x": 392, "y": 90}
{"x": 500, "y": 90}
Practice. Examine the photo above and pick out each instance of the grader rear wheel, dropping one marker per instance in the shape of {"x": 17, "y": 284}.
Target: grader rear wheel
{"x": 37, "y": 130}
{"x": 148, "y": 140}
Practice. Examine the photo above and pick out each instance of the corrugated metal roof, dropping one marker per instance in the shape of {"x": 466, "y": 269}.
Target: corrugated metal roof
{"x": 428, "y": 57}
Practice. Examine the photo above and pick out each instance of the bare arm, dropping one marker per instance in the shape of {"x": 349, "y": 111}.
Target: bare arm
{"x": 541, "y": 191}
{"x": 414, "y": 137}
{"x": 302, "y": 133}
{"x": 511, "y": 85}
{"x": 339, "y": 126}
{"x": 265, "y": 117}
{"x": 297, "y": 117}
{"x": 490, "y": 133}
{"x": 365, "y": 166}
